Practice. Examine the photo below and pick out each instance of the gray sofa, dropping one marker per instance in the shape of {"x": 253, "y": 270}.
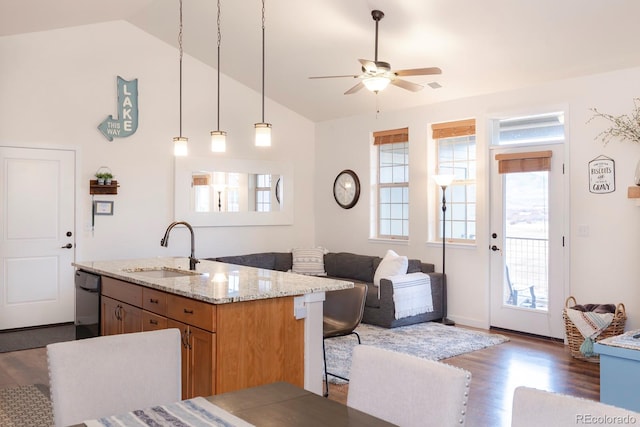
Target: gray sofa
{"x": 358, "y": 268}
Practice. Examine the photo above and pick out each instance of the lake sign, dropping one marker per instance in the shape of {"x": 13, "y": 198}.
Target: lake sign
{"x": 126, "y": 122}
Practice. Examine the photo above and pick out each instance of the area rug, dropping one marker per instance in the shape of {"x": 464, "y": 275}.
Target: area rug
{"x": 27, "y": 405}
{"x": 27, "y": 338}
{"x": 429, "y": 340}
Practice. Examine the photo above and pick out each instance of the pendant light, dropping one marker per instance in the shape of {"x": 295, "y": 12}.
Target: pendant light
{"x": 180, "y": 142}
{"x": 263, "y": 130}
{"x": 218, "y": 137}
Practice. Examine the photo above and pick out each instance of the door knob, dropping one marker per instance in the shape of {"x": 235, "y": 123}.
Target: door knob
{"x": 67, "y": 246}
{"x": 495, "y": 248}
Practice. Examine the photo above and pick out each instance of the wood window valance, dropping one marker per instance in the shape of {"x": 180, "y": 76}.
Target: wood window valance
{"x": 200, "y": 180}
{"x": 391, "y": 136}
{"x": 454, "y": 129}
{"x": 533, "y": 161}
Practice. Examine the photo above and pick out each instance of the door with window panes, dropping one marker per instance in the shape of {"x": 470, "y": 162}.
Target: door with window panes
{"x": 527, "y": 225}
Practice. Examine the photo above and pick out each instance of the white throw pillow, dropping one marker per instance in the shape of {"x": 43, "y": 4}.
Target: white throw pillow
{"x": 391, "y": 265}
{"x": 308, "y": 261}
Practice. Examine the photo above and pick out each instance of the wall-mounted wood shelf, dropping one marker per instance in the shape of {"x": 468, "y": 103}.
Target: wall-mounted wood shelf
{"x": 633, "y": 192}
{"x": 95, "y": 188}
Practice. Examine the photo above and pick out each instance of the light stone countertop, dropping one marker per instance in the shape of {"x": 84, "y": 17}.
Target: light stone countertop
{"x": 217, "y": 283}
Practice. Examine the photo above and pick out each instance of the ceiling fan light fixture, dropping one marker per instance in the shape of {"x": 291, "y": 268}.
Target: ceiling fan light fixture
{"x": 263, "y": 134}
{"x": 218, "y": 141}
{"x": 376, "y": 83}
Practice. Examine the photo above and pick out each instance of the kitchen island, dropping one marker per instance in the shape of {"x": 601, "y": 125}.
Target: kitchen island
{"x": 241, "y": 326}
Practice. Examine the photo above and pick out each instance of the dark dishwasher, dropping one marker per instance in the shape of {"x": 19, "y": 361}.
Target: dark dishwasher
{"x": 87, "y": 305}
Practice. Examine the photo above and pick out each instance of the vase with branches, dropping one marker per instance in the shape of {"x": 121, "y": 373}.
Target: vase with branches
{"x": 625, "y": 127}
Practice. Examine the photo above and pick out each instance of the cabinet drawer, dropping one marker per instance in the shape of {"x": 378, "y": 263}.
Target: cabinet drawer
{"x": 192, "y": 312}
{"x": 122, "y": 291}
{"x": 153, "y": 322}
{"x": 154, "y": 301}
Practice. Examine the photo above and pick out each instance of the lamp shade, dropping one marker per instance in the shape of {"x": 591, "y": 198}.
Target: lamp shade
{"x": 376, "y": 84}
{"x": 443, "y": 180}
{"x": 218, "y": 141}
{"x": 180, "y": 148}
{"x": 263, "y": 134}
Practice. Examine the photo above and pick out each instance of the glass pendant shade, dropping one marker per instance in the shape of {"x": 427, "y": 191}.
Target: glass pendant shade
{"x": 218, "y": 141}
{"x": 263, "y": 134}
{"x": 180, "y": 146}
{"x": 376, "y": 84}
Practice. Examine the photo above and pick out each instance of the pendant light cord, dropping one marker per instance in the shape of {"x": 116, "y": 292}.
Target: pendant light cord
{"x": 263, "y": 8}
{"x": 180, "y": 47}
{"x": 219, "y": 38}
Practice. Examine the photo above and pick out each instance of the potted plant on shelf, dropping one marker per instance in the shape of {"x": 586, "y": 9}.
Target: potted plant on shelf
{"x": 104, "y": 175}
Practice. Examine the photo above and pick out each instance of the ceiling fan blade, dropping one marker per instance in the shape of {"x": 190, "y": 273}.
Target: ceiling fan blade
{"x": 418, "y": 72}
{"x": 404, "y": 84}
{"x": 369, "y": 66}
{"x": 354, "y": 89}
{"x": 334, "y": 77}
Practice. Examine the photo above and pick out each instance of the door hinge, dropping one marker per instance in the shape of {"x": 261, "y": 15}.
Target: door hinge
{"x": 563, "y": 169}
{"x": 563, "y": 241}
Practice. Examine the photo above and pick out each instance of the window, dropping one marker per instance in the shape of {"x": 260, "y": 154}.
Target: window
{"x": 392, "y": 219}
{"x": 456, "y": 155}
{"x": 537, "y": 129}
{"x": 263, "y": 193}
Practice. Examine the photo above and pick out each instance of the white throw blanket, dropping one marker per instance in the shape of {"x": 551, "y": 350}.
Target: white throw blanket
{"x": 590, "y": 325}
{"x": 411, "y": 294}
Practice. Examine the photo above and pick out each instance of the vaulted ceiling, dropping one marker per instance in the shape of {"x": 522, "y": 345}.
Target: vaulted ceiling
{"x": 481, "y": 46}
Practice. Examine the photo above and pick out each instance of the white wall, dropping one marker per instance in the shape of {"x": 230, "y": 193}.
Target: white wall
{"x": 57, "y": 86}
{"x": 604, "y": 265}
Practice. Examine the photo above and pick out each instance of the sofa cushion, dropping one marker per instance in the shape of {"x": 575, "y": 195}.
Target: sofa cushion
{"x": 349, "y": 266}
{"x": 308, "y": 261}
{"x": 391, "y": 265}
{"x": 372, "y": 299}
{"x": 415, "y": 266}
{"x": 265, "y": 260}
{"x": 284, "y": 261}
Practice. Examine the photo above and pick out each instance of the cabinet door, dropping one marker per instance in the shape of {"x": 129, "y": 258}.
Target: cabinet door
{"x": 131, "y": 318}
{"x": 201, "y": 362}
{"x": 184, "y": 357}
{"x": 110, "y": 324}
{"x": 198, "y": 365}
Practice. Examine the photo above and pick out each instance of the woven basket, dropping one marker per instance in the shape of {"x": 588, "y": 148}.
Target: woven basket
{"x": 575, "y": 338}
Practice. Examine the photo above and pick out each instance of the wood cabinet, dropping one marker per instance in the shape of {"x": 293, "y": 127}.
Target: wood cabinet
{"x": 120, "y": 307}
{"x": 225, "y": 347}
{"x": 198, "y": 360}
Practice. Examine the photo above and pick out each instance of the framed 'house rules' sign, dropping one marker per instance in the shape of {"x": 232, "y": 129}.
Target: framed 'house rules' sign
{"x": 602, "y": 175}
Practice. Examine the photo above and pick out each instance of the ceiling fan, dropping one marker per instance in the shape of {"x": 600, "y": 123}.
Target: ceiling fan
{"x": 377, "y": 75}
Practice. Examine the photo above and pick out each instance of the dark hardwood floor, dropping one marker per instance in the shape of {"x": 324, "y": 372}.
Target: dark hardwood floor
{"x": 496, "y": 372}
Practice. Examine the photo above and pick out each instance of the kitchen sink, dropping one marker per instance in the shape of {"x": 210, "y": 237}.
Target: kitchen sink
{"x": 161, "y": 272}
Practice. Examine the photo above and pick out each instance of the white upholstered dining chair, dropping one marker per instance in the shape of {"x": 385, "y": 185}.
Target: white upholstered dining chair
{"x": 535, "y": 408}
{"x": 113, "y": 374}
{"x": 407, "y": 390}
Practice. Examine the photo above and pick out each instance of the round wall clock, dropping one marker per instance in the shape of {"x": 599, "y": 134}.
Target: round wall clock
{"x": 346, "y": 189}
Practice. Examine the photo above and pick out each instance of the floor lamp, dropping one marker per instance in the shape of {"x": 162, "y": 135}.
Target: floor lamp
{"x": 444, "y": 181}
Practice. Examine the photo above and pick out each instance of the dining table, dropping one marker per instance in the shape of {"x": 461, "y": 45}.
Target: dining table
{"x": 278, "y": 404}
{"x": 285, "y": 405}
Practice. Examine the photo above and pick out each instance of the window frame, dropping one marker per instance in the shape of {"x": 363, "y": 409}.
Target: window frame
{"x": 394, "y": 141}
{"x": 454, "y": 132}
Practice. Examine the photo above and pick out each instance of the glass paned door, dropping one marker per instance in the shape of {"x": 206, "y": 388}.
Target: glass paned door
{"x": 527, "y": 262}
{"x": 526, "y": 254}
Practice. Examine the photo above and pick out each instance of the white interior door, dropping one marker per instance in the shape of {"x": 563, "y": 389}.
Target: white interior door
{"x": 37, "y": 237}
{"x": 527, "y": 244}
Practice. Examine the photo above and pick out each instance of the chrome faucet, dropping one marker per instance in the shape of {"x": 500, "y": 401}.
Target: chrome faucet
{"x": 165, "y": 242}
